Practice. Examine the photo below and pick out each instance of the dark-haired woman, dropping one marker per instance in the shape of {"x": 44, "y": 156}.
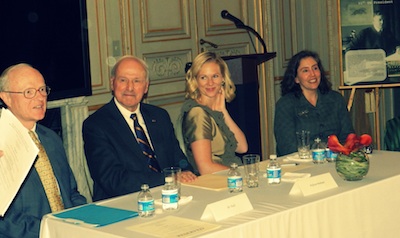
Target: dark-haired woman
{"x": 308, "y": 103}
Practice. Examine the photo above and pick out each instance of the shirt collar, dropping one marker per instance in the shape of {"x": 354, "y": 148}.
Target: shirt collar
{"x": 33, "y": 128}
{"x": 126, "y": 113}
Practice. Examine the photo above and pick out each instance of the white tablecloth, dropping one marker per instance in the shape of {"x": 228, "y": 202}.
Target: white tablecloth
{"x": 366, "y": 208}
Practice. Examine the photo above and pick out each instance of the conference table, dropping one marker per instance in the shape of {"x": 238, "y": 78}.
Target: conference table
{"x": 366, "y": 208}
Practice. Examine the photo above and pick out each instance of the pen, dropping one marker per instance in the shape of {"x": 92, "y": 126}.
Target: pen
{"x": 291, "y": 164}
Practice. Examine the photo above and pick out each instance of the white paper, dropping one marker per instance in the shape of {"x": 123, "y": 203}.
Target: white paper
{"x": 19, "y": 154}
{"x": 313, "y": 185}
{"x": 294, "y": 177}
{"x": 215, "y": 182}
{"x": 294, "y": 157}
{"x": 228, "y": 207}
{"x": 172, "y": 226}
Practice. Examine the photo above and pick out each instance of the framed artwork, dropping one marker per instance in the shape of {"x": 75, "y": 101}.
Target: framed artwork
{"x": 354, "y": 14}
{"x": 370, "y": 42}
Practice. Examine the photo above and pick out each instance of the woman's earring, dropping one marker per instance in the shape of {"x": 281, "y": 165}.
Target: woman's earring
{"x": 223, "y": 83}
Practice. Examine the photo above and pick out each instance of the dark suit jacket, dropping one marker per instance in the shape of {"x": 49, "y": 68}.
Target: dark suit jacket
{"x": 115, "y": 159}
{"x": 23, "y": 217}
{"x": 369, "y": 38}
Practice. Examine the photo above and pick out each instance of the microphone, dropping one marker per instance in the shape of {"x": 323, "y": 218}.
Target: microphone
{"x": 226, "y": 15}
{"x": 202, "y": 42}
{"x": 239, "y": 24}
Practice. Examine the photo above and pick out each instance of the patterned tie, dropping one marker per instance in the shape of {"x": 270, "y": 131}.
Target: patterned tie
{"x": 145, "y": 145}
{"x": 46, "y": 174}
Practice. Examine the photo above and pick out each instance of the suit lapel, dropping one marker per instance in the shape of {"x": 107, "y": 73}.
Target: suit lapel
{"x": 120, "y": 127}
{"x": 56, "y": 157}
{"x": 152, "y": 127}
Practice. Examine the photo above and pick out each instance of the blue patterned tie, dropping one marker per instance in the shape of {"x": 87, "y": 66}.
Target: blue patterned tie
{"x": 145, "y": 145}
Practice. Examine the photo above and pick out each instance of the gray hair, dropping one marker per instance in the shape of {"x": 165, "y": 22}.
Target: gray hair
{"x": 4, "y": 76}
{"x": 140, "y": 61}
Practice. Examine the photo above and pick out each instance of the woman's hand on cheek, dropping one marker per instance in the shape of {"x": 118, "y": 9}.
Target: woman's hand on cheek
{"x": 219, "y": 104}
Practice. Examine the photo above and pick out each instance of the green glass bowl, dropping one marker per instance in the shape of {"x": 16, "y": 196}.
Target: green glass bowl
{"x": 352, "y": 167}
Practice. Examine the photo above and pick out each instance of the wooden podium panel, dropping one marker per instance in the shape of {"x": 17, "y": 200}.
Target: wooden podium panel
{"x": 245, "y": 109}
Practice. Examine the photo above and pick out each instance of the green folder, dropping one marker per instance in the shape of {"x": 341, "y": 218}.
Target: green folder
{"x": 95, "y": 215}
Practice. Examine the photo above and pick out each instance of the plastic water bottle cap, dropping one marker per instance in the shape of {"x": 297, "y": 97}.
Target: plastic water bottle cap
{"x": 145, "y": 186}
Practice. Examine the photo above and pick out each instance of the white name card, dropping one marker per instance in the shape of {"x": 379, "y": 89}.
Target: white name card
{"x": 223, "y": 209}
{"x": 313, "y": 185}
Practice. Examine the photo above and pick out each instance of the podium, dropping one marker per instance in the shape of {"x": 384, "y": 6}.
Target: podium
{"x": 245, "y": 108}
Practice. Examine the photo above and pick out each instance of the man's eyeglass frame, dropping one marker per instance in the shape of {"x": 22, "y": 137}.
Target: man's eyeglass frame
{"x": 30, "y": 93}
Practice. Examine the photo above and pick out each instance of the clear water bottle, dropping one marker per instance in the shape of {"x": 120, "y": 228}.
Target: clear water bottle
{"x": 235, "y": 180}
{"x": 330, "y": 156}
{"x": 273, "y": 170}
{"x": 318, "y": 151}
{"x": 145, "y": 202}
{"x": 169, "y": 195}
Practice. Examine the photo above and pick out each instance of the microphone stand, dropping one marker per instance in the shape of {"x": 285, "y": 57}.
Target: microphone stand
{"x": 248, "y": 28}
{"x": 239, "y": 24}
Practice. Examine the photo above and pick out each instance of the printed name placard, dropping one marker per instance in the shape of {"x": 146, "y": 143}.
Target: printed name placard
{"x": 223, "y": 209}
{"x": 313, "y": 185}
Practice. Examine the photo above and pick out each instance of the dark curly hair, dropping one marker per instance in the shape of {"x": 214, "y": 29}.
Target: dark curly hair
{"x": 288, "y": 83}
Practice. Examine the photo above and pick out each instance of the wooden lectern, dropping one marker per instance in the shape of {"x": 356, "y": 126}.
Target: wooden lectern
{"x": 245, "y": 109}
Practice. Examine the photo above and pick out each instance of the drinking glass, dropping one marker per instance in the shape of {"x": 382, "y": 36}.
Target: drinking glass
{"x": 251, "y": 163}
{"x": 303, "y": 144}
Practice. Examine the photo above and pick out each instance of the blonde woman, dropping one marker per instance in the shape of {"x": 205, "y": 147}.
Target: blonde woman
{"x": 210, "y": 135}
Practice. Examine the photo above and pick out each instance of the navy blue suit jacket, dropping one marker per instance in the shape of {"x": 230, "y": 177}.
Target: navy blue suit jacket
{"x": 116, "y": 162}
{"x": 23, "y": 217}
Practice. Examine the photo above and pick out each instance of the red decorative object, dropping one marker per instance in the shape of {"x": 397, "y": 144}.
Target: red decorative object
{"x": 353, "y": 143}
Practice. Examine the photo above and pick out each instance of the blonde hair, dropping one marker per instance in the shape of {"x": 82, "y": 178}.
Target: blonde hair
{"x": 192, "y": 90}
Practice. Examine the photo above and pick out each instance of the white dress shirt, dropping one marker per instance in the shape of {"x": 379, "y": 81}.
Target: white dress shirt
{"x": 127, "y": 116}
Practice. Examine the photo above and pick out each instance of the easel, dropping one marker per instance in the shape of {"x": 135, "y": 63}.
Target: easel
{"x": 375, "y": 87}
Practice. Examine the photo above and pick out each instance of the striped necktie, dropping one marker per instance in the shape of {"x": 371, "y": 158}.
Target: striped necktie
{"x": 145, "y": 145}
{"x": 46, "y": 175}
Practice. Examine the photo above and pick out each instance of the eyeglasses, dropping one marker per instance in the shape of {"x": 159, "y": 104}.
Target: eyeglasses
{"x": 31, "y": 92}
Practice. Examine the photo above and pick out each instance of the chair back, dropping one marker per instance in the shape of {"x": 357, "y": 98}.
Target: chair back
{"x": 392, "y": 134}
{"x": 178, "y": 133}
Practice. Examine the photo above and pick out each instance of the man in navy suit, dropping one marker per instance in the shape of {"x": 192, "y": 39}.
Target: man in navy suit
{"x": 23, "y": 90}
{"x": 115, "y": 159}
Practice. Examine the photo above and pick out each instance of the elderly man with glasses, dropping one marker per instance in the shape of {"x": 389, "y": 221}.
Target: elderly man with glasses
{"x": 19, "y": 87}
